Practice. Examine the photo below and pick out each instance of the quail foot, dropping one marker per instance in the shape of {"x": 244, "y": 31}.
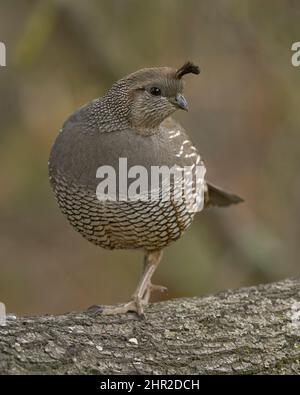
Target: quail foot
{"x": 132, "y": 122}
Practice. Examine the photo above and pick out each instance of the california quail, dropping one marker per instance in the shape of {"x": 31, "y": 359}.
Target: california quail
{"x": 132, "y": 121}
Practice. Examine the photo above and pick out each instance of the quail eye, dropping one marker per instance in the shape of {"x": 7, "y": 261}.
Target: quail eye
{"x": 155, "y": 91}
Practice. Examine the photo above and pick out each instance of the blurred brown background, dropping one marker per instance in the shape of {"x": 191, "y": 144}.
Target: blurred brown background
{"x": 244, "y": 117}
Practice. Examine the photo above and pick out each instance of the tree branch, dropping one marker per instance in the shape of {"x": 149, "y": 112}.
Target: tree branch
{"x": 248, "y": 331}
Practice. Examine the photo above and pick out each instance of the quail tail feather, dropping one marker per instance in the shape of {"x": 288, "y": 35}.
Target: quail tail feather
{"x": 216, "y": 196}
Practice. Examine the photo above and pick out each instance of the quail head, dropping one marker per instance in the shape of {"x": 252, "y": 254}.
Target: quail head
{"x": 131, "y": 126}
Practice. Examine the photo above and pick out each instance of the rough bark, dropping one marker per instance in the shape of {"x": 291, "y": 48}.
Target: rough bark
{"x": 247, "y": 331}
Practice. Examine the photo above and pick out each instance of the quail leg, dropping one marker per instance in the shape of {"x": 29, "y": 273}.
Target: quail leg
{"x": 142, "y": 294}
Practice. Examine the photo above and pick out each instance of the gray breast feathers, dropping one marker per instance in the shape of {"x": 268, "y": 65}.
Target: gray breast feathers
{"x": 77, "y": 155}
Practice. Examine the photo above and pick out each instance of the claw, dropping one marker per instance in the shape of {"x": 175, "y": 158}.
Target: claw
{"x": 95, "y": 309}
{"x": 132, "y": 306}
{"x": 159, "y": 288}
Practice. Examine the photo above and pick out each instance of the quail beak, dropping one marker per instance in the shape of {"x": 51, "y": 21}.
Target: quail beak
{"x": 180, "y": 102}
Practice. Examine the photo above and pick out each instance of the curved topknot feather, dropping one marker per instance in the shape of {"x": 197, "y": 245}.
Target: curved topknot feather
{"x": 187, "y": 68}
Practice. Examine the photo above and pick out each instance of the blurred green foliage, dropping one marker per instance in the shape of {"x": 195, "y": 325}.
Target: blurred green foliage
{"x": 244, "y": 117}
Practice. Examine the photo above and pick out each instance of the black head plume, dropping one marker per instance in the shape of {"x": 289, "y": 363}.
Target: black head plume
{"x": 187, "y": 68}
